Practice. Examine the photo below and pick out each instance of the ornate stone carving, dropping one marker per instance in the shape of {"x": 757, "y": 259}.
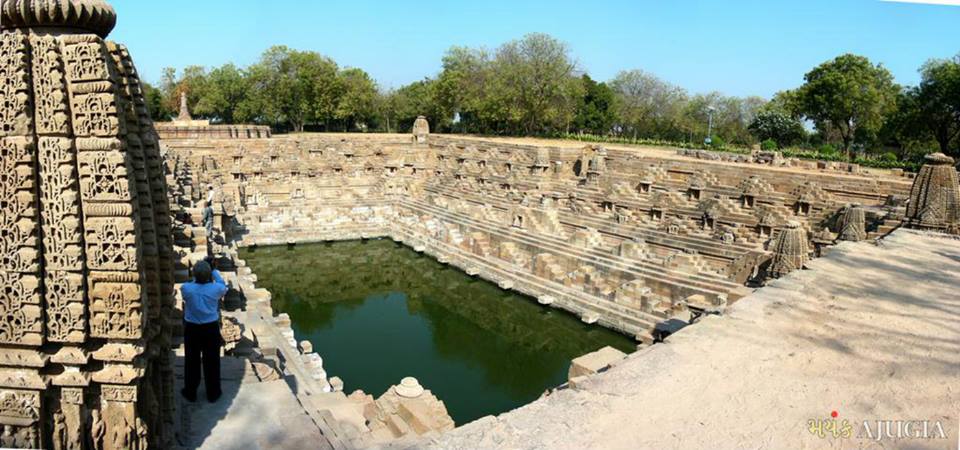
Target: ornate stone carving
{"x": 935, "y": 196}
{"x": 115, "y": 310}
{"x": 853, "y": 223}
{"x": 15, "y": 115}
{"x": 19, "y": 407}
{"x": 421, "y": 129}
{"x": 84, "y": 234}
{"x": 95, "y": 16}
{"x": 20, "y": 310}
{"x": 790, "y": 251}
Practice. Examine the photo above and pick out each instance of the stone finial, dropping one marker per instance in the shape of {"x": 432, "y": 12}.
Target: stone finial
{"x": 853, "y": 223}
{"x": 421, "y": 129}
{"x": 935, "y": 195}
{"x": 789, "y": 251}
{"x": 94, "y": 16}
{"x": 409, "y": 387}
{"x": 184, "y": 109}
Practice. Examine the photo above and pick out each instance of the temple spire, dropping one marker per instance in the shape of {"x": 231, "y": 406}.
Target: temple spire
{"x": 184, "y": 109}
{"x": 89, "y": 16}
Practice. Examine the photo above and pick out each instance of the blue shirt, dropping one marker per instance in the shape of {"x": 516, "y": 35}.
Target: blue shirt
{"x": 201, "y": 302}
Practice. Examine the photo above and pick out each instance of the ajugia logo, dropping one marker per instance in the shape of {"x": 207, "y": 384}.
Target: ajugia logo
{"x": 878, "y": 429}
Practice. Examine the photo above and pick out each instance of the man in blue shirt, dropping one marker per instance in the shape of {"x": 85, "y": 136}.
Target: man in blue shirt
{"x": 201, "y": 331}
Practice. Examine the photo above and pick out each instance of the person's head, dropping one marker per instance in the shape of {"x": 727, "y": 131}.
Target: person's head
{"x": 202, "y": 273}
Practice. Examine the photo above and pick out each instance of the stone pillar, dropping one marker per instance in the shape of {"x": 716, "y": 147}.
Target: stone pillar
{"x": 935, "y": 196}
{"x": 421, "y": 129}
{"x": 790, "y": 251}
{"x": 86, "y": 259}
{"x": 853, "y": 223}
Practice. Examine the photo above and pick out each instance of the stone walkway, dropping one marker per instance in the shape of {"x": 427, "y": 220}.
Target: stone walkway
{"x": 872, "y": 332}
{"x": 250, "y": 415}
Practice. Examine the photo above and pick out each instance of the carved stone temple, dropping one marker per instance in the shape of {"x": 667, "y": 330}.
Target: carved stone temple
{"x": 100, "y": 213}
{"x": 86, "y": 275}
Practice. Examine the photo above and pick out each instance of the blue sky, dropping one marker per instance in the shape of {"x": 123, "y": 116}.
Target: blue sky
{"x": 738, "y": 47}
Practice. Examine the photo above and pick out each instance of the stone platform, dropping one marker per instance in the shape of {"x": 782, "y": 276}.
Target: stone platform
{"x": 870, "y": 332}
{"x": 250, "y": 415}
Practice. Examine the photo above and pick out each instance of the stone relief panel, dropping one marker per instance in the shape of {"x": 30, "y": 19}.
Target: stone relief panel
{"x": 115, "y": 306}
{"x": 15, "y": 113}
{"x": 103, "y": 176}
{"x": 111, "y": 244}
{"x": 84, "y": 240}
{"x": 49, "y": 86}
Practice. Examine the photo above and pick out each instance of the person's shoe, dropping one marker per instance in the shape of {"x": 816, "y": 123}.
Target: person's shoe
{"x": 214, "y": 398}
{"x": 190, "y": 398}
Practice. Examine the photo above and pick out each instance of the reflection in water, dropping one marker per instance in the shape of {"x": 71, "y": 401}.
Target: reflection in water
{"x": 377, "y": 312}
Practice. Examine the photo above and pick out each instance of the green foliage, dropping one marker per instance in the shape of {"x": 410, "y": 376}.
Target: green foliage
{"x": 358, "y": 99}
{"x": 531, "y": 86}
{"x": 221, "y": 93}
{"x": 294, "y": 87}
{"x": 717, "y": 143}
{"x": 595, "y": 114}
{"x": 415, "y": 99}
{"x": 777, "y": 127}
{"x": 286, "y": 88}
{"x": 889, "y": 157}
{"x": 827, "y": 150}
{"x": 850, "y": 97}
{"x": 192, "y": 81}
{"x": 155, "y": 102}
{"x": 931, "y": 111}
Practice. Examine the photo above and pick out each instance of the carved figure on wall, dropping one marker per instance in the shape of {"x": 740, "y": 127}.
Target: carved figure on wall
{"x": 98, "y": 430}
{"x": 59, "y": 431}
{"x": 8, "y": 439}
{"x": 142, "y": 439}
{"x": 121, "y": 434}
{"x": 75, "y": 434}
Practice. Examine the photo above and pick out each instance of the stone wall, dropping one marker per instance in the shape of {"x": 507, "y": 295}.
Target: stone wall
{"x": 173, "y": 130}
{"x": 86, "y": 280}
{"x": 618, "y": 236}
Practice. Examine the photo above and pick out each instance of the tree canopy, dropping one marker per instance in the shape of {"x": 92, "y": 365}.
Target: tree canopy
{"x": 849, "y": 96}
{"x": 534, "y": 86}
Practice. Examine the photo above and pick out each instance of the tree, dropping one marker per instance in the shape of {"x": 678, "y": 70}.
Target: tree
{"x": 225, "y": 88}
{"x": 937, "y": 101}
{"x": 358, "y": 97}
{"x": 536, "y": 83}
{"x": 463, "y": 89}
{"x": 418, "y": 98}
{"x": 778, "y": 126}
{"x": 192, "y": 81}
{"x": 595, "y": 113}
{"x": 648, "y": 107}
{"x": 850, "y": 96}
{"x": 293, "y": 87}
{"x": 155, "y": 104}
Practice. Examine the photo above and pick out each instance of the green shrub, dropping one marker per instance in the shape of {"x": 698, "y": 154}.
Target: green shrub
{"x": 718, "y": 143}
{"x": 824, "y": 153}
{"x": 827, "y": 150}
{"x": 889, "y": 157}
{"x": 769, "y": 145}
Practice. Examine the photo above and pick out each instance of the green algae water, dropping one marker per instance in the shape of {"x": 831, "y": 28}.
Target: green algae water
{"x": 377, "y": 311}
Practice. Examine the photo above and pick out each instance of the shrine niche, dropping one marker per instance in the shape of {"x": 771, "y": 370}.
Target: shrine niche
{"x": 86, "y": 270}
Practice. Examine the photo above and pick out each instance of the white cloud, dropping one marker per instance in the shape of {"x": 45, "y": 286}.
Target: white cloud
{"x": 928, "y": 2}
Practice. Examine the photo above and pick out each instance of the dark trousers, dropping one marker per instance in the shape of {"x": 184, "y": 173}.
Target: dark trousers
{"x": 201, "y": 342}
